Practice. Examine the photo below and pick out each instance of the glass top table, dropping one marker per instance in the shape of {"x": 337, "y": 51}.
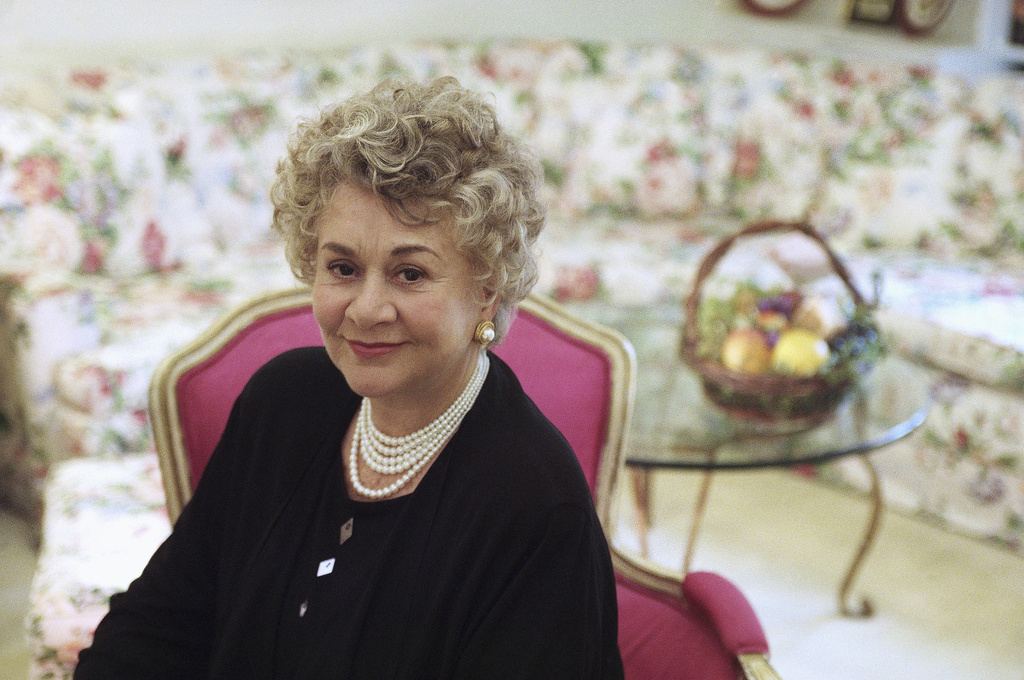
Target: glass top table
{"x": 681, "y": 429}
{"x": 693, "y": 433}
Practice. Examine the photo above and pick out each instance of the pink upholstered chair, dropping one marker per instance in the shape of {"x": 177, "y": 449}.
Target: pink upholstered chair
{"x": 579, "y": 374}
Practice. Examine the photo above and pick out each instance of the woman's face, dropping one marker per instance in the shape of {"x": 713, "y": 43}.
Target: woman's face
{"x": 397, "y": 306}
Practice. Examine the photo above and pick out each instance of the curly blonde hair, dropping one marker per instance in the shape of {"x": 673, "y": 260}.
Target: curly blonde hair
{"x": 434, "y": 153}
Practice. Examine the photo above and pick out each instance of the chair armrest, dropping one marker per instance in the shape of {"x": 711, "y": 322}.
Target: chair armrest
{"x": 709, "y": 597}
{"x": 733, "y": 618}
{"x": 728, "y": 609}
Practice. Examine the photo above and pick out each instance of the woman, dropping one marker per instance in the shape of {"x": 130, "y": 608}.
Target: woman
{"x": 391, "y": 505}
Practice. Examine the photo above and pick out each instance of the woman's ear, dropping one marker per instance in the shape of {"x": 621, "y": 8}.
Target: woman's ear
{"x": 489, "y": 304}
{"x": 491, "y": 300}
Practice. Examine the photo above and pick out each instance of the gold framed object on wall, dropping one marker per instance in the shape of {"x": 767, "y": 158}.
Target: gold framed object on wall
{"x": 772, "y": 8}
{"x": 921, "y": 17}
{"x": 1017, "y": 23}
{"x": 879, "y": 12}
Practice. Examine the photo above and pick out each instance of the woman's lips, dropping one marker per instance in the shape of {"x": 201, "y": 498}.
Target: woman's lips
{"x": 372, "y": 350}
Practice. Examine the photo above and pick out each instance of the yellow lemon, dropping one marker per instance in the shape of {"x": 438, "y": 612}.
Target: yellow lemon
{"x": 800, "y": 352}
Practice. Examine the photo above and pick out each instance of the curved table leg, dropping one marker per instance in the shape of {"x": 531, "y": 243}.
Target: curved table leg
{"x": 866, "y": 609}
{"x": 698, "y": 517}
{"x": 641, "y": 478}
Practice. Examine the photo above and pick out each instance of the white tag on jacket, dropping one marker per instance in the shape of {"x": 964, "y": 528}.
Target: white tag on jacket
{"x": 346, "y": 531}
{"x": 326, "y": 567}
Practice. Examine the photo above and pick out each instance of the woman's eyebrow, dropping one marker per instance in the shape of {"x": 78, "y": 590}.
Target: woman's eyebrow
{"x": 412, "y": 250}
{"x": 398, "y": 251}
{"x": 337, "y": 248}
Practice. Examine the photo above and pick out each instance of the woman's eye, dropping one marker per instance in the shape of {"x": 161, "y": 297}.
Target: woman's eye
{"x": 342, "y": 269}
{"x": 411, "y": 275}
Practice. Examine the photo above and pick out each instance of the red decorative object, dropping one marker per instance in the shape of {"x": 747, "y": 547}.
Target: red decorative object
{"x": 1017, "y": 23}
{"x": 921, "y": 17}
{"x": 773, "y": 8}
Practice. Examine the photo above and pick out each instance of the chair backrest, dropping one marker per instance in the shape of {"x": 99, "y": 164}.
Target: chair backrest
{"x": 580, "y": 374}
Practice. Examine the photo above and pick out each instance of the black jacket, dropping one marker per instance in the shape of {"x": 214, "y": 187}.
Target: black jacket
{"x": 497, "y": 566}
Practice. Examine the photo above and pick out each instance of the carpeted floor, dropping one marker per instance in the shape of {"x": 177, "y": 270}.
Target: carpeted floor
{"x": 947, "y": 607}
{"x": 17, "y": 562}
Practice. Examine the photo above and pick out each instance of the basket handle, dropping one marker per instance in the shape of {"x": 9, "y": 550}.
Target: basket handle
{"x": 710, "y": 260}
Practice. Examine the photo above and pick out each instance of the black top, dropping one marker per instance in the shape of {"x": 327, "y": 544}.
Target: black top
{"x": 494, "y": 567}
{"x": 343, "y": 546}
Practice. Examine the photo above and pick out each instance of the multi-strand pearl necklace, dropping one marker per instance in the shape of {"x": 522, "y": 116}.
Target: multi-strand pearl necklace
{"x": 405, "y": 456}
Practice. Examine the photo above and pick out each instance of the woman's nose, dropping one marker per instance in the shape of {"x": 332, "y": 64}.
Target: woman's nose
{"x": 372, "y": 304}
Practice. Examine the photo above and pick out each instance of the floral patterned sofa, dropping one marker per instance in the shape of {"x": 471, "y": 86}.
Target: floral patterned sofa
{"x": 133, "y": 210}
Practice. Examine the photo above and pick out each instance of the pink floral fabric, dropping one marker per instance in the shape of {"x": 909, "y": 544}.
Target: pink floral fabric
{"x": 86, "y": 386}
{"x": 121, "y": 187}
{"x": 104, "y": 519}
{"x": 134, "y": 210}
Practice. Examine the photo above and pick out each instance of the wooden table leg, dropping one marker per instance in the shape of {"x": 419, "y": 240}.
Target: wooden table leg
{"x": 866, "y": 609}
{"x": 698, "y": 517}
{"x": 641, "y": 478}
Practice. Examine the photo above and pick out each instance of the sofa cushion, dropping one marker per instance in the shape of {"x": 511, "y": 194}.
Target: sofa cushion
{"x": 103, "y": 521}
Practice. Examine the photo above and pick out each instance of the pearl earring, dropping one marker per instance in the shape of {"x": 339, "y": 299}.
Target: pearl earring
{"x": 484, "y": 334}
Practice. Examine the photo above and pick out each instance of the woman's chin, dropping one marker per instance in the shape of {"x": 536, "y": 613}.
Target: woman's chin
{"x": 370, "y": 389}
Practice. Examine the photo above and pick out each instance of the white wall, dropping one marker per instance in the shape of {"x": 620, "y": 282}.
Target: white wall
{"x": 90, "y": 29}
{"x": 78, "y": 31}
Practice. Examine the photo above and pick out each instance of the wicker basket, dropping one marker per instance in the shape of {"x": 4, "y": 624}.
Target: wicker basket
{"x": 768, "y": 398}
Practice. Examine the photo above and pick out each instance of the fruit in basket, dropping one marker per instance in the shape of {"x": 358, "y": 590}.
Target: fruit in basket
{"x": 746, "y": 350}
{"x": 772, "y": 321}
{"x": 821, "y": 315}
{"x": 784, "y": 302}
{"x": 821, "y": 341}
{"x": 800, "y": 352}
{"x": 857, "y": 346}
